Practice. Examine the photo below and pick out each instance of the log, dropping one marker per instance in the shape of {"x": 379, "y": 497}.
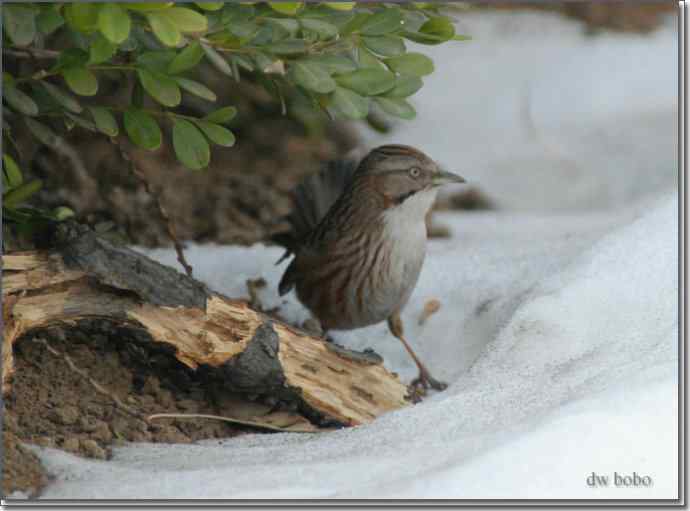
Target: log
{"x": 84, "y": 276}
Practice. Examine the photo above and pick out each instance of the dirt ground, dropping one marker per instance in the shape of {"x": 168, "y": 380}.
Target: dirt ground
{"x": 53, "y": 406}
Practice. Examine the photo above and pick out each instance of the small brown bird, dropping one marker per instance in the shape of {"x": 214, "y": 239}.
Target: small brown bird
{"x": 359, "y": 239}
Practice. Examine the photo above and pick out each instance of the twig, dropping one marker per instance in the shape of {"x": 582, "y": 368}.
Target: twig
{"x": 94, "y": 383}
{"x": 161, "y": 210}
{"x": 27, "y": 53}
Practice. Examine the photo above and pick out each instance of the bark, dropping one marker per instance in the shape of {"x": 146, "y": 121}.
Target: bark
{"x": 84, "y": 276}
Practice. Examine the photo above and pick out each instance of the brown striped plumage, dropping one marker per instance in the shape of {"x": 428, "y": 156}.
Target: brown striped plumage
{"x": 359, "y": 239}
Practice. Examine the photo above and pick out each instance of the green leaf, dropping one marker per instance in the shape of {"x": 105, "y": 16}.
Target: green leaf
{"x": 262, "y": 61}
{"x": 217, "y": 60}
{"x": 350, "y": 104}
{"x": 142, "y": 129}
{"x": 217, "y": 134}
{"x": 12, "y": 175}
{"x": 367, "y": 82}
{"x": 114, "y": 23}
{"x": 105, "y": 121}
{"x": 222, "y": 115}
{"x": 190, "y": 145}
{"x": 244, "y": 30}
{"x": 383, "y": 22}
{"x": 289, "y": 8}
{"x": 312, "y": 76}
{"x": 397, "y": 107}
{"x": 386, "y": 45}
{"x": 81, "y": 81}
{"x": 165, "y": 30}
{"x": 287, "y": 26}
{"x": 196, "y": 88}
{"x": 341, "y": 6}
{"x": 287, "y": 47}
{"x": 48, "y": 21}
{"x": 21, "y": 193}
{"x": 19, "y": 23}
{"x": 62, "y": 213}
{"x": 101, "y": 50}
{"x": 462, "y": 38}
{"x": 355, "y": 24}
{"x": 234, "y": 11}
{"x": 323, "y": 29}
{"x": 79, "y": 121}
{"x": 160, "y": 87}
{"x": 82, "y": 17}
{"x": 335, "y": 64}
{"x": 71, "y": 57}
{"x": 63, "y": 98}
{"x": 367, "y": 59}
{"x": 148, "y": 6}
{"x": 188, "y": 58}
{"x": 414, "y": 64}
{"x": 210, "y": 6}
{"x": 156, "y": 60}
{"x": 242, "y": 61}
{"x": 435, "y": 31}
{"x": 43, "y": 133}
{"x": 405, "y": 85}
{"x": 186, "y": 20}
{"x": 19, "y": 101}
{"x": 439, "y": 27}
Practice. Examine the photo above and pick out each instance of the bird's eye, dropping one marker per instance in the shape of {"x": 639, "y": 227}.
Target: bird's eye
{"x": 415, "y": 172}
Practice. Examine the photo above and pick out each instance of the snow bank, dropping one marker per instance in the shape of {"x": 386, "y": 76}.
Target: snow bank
{"x": 579, "y": 378}
{"x": 557, "y": 329}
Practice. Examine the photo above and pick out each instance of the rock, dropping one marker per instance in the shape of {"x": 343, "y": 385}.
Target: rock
{"x": 151, "y": 386}
{"x": 92, "y": 449}
{"x": 71, "y": 444}
{"x": 188, "y": 405}
{"x": 165, "y": 399}
{"x": 101, "y": 432}
{"x": 64, "y": 415}
{"x": 44, "y": 441}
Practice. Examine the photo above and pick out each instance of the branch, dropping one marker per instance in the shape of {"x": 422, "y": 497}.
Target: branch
{"x": 179, "y": 249}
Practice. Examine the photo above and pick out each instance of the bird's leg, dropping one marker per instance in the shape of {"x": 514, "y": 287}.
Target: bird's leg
{"x": 424, "y": 380}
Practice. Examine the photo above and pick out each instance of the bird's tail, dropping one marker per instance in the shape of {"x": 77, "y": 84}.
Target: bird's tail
{"x": 312, "y": 199}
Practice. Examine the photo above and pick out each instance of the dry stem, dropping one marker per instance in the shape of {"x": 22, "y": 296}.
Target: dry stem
{"x": 179, "y": 249}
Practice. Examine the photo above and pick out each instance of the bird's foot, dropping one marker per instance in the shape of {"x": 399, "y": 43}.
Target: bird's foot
{"x": 419, "y": 386}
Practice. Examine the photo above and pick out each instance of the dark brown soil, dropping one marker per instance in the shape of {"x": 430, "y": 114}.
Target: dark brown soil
{"x": 52, "y": 406}
{"x": 22, "y": 471}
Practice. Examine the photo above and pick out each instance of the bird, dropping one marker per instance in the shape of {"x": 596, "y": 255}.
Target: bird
{"x": 358, "y": 237}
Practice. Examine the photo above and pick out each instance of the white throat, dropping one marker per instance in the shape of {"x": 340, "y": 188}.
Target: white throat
{"x": 408, "y": 218}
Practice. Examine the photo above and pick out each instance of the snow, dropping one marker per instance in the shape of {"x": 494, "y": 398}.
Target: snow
{"x": 558, "y": 325}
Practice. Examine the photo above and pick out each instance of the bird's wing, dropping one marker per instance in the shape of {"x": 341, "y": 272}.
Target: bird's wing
{"x": 312, "y": 199}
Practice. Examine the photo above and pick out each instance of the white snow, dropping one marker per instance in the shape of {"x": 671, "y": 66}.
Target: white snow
{"x": 559, "y": 317}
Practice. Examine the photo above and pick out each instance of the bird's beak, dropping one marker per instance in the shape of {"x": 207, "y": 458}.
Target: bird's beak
{"x": 443, "y": 177}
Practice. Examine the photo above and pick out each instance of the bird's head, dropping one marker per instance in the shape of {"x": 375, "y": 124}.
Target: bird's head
{"x": 402, "y": 174}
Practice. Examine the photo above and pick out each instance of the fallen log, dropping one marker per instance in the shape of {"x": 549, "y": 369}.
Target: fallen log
{"x": 83, "y": 276}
